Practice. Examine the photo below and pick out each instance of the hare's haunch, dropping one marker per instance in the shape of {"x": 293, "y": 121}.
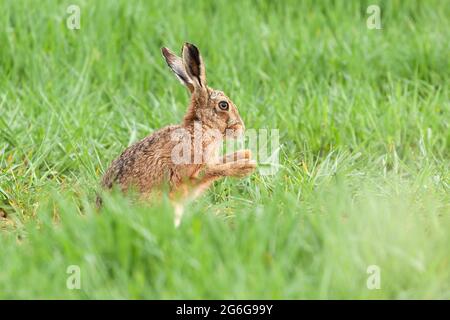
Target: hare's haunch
{"x": 173, "y": 155}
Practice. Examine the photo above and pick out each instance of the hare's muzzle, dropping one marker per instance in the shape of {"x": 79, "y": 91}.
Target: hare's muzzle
{"x": 235, "y": 131}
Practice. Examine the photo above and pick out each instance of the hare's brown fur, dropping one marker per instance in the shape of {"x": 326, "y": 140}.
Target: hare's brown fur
{"x": 149, "y": 163}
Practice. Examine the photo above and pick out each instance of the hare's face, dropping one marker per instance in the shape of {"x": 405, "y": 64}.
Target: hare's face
{"x": 212, "y": 107}
{"x": 223, "y": 115}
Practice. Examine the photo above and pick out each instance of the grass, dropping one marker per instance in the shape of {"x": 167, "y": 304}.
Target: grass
{"x": 364, "y": 164}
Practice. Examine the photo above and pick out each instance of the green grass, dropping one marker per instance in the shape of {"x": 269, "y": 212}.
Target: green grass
{"x": 364, "y": 126}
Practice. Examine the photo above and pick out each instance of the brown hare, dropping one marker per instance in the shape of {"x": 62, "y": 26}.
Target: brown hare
{"x": 186, "y": 156}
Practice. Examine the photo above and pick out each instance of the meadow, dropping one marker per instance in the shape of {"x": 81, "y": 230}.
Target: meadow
{"x": 358, "y": 209}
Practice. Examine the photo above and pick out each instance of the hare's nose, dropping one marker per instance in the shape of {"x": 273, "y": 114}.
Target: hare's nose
{"x": 237, "y": 124}
{"x": 241, "y": 124}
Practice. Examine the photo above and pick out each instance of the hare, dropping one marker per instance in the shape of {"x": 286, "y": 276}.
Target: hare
{"x": 185, "y": 156}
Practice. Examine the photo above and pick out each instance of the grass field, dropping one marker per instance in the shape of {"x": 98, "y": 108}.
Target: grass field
{"x": 364, "y": 176}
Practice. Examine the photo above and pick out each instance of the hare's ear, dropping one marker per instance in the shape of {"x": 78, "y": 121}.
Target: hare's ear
{"x": 193, "y": 63}
{"x": 176, "y": 64}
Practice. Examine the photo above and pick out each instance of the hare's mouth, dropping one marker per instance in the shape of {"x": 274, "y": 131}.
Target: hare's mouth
{"x": 235, "y": 131}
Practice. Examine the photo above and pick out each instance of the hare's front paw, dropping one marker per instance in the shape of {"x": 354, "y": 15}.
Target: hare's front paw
{"x": 238, "y": 155}
{"x": 242, "y": 168}
{"x": 239, "y": 168}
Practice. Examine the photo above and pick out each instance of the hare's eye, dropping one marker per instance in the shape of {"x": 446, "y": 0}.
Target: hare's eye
{"x": 223, "y": 105}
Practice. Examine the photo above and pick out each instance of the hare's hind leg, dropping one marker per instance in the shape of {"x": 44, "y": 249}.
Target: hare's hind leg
{"x": 179, "y": 210}
{"x": 237, "y": 164}
{"x": 189, "y": 193}
{"x": 177, "y": 195}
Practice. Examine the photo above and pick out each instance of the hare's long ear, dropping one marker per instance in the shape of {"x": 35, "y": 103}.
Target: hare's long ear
{"x": 176, "y": 64}
{"x": 195, "y": 68}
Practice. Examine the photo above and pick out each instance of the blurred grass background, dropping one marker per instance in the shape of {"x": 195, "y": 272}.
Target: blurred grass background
{"x": 364, "y": 126}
